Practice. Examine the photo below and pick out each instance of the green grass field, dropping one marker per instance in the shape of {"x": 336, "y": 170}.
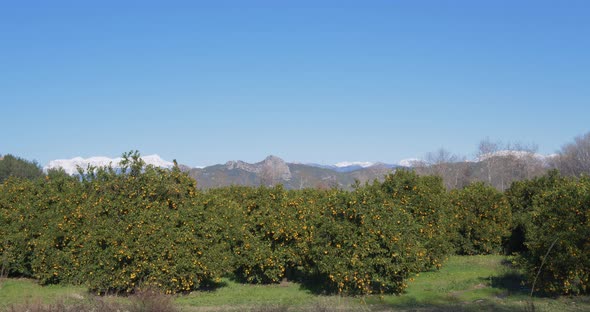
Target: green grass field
{"x": 475, "y": 283}
{"x": 13, "y": 291}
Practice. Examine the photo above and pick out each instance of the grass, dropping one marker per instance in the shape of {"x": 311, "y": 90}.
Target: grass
{"x": 233, "y": 296}
{"x": 461, "y": 279}
{"x": 233, "y": 293}
{"x": 16, "y": 291}
{"x": 474, "y": 283}
{"x": 18, "y": 295}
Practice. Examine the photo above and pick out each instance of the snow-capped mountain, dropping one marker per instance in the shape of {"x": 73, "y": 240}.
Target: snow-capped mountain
{"x": 362, "y": 164}
{"x": 70, "y": 166}
{"x": 350, "y": 166}
{"x": 409, "y": 162}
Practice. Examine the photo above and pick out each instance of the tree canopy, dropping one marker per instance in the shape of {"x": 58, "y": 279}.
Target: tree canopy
{"x": 18, "y": 167}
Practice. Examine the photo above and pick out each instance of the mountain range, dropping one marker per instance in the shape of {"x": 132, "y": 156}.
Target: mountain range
{"x": 270, "y": 171}
{"x": 274, "y": 170}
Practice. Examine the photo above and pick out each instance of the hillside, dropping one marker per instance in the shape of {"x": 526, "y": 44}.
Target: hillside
{"x": 273, "y": 170}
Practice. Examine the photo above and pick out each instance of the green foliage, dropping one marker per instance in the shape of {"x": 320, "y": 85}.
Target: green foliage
{"x": 111, "y": 232}
{"x": 483, "y": 216}
{"x": 11, "y": 166}
{"x": 357, "y": 242}
{"x": 521, "y": 195}
{"x": 16, "y": 226}
{"x": 147, "y": 227}
{"x": 359, "y": 245}
{"x": 426, "y": 199}
{"x": 261, "y": 231}
{"x": 370, "y": 240}
{"x": 560, "y": 215}
{"x": 143, "y": 227}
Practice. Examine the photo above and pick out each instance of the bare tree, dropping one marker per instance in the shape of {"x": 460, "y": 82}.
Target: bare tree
{"x": 574, "y": 158}
{"x": 497, "y": 164}
{"x": 506, "y": 163}
{"x": 444, "y": 164}
{"x": 486, "y": 152}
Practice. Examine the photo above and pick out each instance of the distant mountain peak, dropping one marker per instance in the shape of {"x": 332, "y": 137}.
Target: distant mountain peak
{"x": 350, "y": 166}
{"x": 273, "y": 158}
{"x": 363, "y": 164}
{"x": 409, "y": 162}
{"x": 272, "y": 166}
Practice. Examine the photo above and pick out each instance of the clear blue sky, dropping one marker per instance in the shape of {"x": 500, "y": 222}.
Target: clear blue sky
{"x": 204, "y": 82}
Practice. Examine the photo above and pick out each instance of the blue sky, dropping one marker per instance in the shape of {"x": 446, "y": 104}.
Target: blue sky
{"x": 204, "y": 82}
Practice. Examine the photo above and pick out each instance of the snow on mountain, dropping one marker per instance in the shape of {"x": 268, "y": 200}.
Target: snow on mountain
{"x": 156, "y": 161}
{"x": 349, "y": 166}
{"x": 409, "y": 162}
{"x": 363, "y": 164}
{"x": 70, "y": 166}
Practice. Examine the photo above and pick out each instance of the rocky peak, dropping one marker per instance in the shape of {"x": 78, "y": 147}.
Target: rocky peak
{"x": 240, "y": 165}
{"x": 276, "y": 168}
{"x": 272, "y": 167}
{"x": 273, "y": 161}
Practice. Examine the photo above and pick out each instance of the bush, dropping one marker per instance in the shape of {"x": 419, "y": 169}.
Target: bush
{"x": 521, "y": 195}
{"x": 560, "y": 215}
{"x": 483, "y": 217}
{"x": 427, "y": 201}
{"x": 115, "y": 232}
{"x": 270, "y": 232}
{"x": 144, "y": 227}
{"x": 17, "y": 227}
{"x": 370, "y": 240}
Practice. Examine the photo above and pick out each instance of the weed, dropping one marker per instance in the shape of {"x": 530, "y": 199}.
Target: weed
{"x": 151, "y": 301}
{"x": 271, "y": 308}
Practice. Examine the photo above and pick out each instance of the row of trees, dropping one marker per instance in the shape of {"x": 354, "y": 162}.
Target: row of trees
{"x": 148, "y": 227}
{"x": 499, "y": 164}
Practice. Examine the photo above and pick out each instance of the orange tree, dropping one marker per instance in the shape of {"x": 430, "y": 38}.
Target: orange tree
{"x": 269, "y": 233}
{"x": 120, "y": 231}
{"x": 426, "y": 200}
{"x": 371, "y": 240}
{"x": 521, "y": 196}
{"x": 560, "y": 228}
{"x": 484, "y": 218}
{"x": 17, "y": 226}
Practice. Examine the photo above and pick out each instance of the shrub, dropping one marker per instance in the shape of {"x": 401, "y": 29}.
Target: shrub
{"x": 483, "y": 217}
{"x": 521, "y": 195}
{"x": 16, "y": 227}
{"x": 427, "y": 201}
{"x": 115, "y": 232}
{"x": 143, "y": 227}
{"x": 370, "y": 240}
{"x": 561, "y": 217}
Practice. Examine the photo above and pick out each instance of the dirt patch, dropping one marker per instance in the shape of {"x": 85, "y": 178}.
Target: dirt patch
{"x": 457, "y": 293}
{"x": 76, "y": 296}
{"x": 284, "y": 283}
